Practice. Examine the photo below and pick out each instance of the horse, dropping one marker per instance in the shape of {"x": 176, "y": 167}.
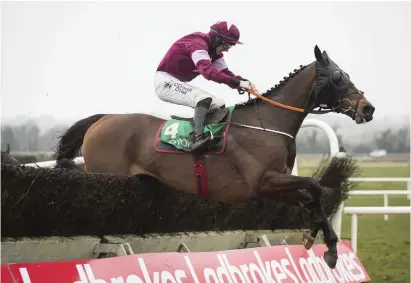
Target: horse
{"x": 6, "y": 158}
{"x": 253, "y": 144}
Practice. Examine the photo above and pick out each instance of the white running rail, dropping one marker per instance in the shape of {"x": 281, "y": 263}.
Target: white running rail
{"x": 332, "y": 139}
{"x": 51, "y": 163}
{"x": 337, "y": 219}
{"x": 355, "y": 211}
{"x": 405, "y": 179}
{"x": 385, "y": 193}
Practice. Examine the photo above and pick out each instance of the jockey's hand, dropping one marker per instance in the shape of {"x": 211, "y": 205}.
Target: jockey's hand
{"x": 247, "y": 85}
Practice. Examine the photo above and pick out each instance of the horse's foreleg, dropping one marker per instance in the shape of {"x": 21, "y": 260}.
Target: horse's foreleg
{"x": 330, "y": 238}
{"x": 308, "y": 192}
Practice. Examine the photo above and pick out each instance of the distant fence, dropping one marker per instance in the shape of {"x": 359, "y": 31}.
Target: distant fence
{"x": 16, "y": 152}
{"x": 404, "y": 179}
{"x": 25, "y": 157}
{"x": 385, "y": 193}
{"x": 355, "y": 211}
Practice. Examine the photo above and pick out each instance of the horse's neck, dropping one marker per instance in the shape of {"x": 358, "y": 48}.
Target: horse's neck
{"x": 294, "y": 93}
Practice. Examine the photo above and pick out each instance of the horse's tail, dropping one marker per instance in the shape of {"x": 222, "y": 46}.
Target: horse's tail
{"x": 71, "y": 141}
{"x": 334, "y": 175}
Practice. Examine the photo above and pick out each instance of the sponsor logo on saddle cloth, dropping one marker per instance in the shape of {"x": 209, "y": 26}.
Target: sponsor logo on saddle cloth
{"x": 180, "y": 133}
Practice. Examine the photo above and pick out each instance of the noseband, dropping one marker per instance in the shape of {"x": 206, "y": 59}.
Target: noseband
{"x": 339, "y": 108}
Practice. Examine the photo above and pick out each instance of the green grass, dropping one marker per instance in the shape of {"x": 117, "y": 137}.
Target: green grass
{"x": 383, "y": 246}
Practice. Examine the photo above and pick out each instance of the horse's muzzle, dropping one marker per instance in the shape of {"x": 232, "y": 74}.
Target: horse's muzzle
{"x": 368, "y": 111}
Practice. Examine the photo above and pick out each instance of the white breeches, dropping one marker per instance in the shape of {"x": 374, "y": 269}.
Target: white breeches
{"x": 171, "y": 89}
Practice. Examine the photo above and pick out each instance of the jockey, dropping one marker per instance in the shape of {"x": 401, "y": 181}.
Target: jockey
{"x": 194, "y": 54}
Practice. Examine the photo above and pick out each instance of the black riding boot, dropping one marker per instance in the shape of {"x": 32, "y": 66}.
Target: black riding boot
{"x": 201, "y": 140}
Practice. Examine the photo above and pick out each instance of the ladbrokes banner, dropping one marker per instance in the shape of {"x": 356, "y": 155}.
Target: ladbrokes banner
{"x": 290, "y": 263}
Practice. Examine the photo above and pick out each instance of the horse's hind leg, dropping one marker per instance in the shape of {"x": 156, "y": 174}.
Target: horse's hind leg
{"x": 273, "y": 183}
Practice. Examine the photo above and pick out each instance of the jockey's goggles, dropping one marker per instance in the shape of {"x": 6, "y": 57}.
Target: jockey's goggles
{"x": 227, "y": 45}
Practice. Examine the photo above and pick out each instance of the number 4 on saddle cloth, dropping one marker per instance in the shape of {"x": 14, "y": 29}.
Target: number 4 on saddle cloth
{"x": 177, "y": 135}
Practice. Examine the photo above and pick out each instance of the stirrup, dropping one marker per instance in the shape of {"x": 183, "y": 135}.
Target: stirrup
{"x": 200, "y": 143}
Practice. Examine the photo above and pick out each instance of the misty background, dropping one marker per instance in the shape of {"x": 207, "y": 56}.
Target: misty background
{"x": 63, "y": 61}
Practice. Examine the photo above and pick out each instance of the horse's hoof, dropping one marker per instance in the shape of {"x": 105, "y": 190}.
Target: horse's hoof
{"x": 331, "y": 259}
{"x": 308, "y": 240}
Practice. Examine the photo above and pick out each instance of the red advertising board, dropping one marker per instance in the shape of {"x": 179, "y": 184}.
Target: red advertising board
{"x": 290, "y": 263}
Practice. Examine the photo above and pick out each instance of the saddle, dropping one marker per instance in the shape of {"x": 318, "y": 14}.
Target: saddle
{"x": 176, "y": 135}
{"x": 212, "y": 117}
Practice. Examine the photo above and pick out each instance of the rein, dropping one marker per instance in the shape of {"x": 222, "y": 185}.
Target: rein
{"x": 336, "y": 109}
{"x": 275, "y": 103}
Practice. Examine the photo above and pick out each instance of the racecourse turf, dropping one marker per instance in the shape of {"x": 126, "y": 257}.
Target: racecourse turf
{"x": 383, "y": 246}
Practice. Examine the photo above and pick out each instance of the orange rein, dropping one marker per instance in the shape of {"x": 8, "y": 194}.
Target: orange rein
{"x": 274, "y": 102}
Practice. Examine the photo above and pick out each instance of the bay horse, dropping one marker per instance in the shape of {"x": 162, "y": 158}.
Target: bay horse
{"x": 256, "y": 153}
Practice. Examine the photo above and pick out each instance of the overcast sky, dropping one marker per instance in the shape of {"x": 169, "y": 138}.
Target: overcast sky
{"x": 75, "y": 59}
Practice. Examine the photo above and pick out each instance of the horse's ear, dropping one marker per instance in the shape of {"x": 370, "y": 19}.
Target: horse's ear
{"x": 8, "y": 149}
{"x": 325, "y": 54}
{"x": 319, "y": 56}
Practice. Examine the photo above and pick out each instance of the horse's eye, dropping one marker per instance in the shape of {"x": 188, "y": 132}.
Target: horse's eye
{"x": 336, "y": 77}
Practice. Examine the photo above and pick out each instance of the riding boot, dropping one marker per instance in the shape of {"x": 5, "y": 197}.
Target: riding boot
{"x": 200, "y": 140}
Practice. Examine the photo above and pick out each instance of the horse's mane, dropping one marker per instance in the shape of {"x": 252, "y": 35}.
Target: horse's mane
{"x": 274, "y": 88}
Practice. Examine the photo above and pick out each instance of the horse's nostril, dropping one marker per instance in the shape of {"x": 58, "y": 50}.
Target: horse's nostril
{"x": 369, "y": 110}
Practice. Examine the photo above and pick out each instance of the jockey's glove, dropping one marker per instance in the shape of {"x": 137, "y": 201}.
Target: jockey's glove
{"x": 247, "y": 85}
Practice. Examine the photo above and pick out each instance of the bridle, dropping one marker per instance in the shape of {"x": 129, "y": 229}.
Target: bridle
{"x": 352, "y": 108}
{"x": 336, "y": 108}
